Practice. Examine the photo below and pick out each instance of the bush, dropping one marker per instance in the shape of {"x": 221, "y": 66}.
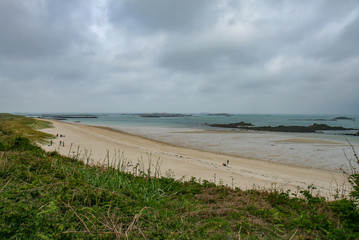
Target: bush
{"x": 23, "y": 144}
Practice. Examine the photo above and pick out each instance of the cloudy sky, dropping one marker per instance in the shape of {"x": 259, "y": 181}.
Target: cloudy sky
{"x": 237, "y": 56}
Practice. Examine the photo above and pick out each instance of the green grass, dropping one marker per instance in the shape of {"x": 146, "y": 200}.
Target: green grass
{"x": 48, "y": 196}
{"x": 16, "y": 125}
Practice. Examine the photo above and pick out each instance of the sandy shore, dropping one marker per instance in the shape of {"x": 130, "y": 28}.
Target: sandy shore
{"x": 101, "y": 144}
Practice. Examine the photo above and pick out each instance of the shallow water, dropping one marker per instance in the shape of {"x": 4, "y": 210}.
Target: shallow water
{"x": 191, "y": 132}
{"x": 273, "y": 147}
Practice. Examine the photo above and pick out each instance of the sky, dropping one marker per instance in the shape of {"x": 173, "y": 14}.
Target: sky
{"x": 235, "y": 56}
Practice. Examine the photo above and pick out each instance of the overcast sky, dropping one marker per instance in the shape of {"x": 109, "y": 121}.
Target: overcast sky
{"x": 233, "y": 56}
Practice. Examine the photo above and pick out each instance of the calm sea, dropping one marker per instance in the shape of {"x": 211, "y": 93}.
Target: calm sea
{"x": 325, "y": 150}
{"x": 200, "y": 120}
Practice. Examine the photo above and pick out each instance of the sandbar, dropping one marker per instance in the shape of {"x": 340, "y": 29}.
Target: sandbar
{"x": 102, "y": 145}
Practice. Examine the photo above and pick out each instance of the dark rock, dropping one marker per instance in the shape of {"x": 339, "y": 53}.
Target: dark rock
{"x": 231, "y": 125}
{"x": 352, "y": 134}
{"x": 301, "y": 129}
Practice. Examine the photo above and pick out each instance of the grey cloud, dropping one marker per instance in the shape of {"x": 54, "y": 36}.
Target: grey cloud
{"x": 280, "y": 28}
{"x": 190, "y": 56}
{"x": 56, "y": 70}
{"x": 347, "y": 45}
{"x": 39, "y": 28}
{"x": 213, "y": 54}
{"x": 320, "y": 34}
{"x": 161, "y": 15}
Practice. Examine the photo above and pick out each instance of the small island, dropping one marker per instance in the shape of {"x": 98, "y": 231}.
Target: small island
{"x": 342, "y": 118}
{"x": 220, "y": 114}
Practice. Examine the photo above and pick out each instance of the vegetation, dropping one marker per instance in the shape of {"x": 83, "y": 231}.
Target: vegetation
{"x": 353, "y": 173}
{"x": 48, "y": 196}
{"x": 15, "y": 125}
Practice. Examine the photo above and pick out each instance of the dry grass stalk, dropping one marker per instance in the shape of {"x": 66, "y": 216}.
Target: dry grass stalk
{"x": 82, "y": 221}
{"x": 132, "y": 225}
{"x": 294, "y": 234}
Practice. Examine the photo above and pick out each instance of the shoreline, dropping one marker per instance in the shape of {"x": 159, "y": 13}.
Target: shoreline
{"x": 183, "y": 162}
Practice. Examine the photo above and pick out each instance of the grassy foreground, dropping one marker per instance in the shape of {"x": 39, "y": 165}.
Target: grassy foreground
{"x": 48, "y": 196}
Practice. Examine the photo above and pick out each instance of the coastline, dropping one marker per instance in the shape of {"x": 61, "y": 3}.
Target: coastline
{"x": 183, "y": 163}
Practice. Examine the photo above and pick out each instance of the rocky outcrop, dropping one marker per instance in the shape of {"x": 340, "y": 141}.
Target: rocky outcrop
{"x": 301, "y": 129}
{"x": 231, "y": 125}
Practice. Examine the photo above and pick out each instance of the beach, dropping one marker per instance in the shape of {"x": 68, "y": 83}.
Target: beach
{"x": 103, "y": 145}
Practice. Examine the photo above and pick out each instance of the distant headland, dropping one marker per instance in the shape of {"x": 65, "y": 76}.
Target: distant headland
{"x": 66, "y": 116}
{"x": 161, "y": 115}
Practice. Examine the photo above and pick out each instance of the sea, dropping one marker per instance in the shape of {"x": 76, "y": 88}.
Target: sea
{"x": 326, "y": 150}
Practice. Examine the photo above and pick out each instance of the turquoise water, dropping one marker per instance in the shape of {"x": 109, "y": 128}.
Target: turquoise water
{"x": 326, "y": 151}
{"x": 200, "y": 120}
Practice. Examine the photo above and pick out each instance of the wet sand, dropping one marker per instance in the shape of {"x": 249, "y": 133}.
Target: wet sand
{"x": 103, "y": 144}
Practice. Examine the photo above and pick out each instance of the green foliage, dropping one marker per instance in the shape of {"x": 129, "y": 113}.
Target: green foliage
{"x": 354, "y": 180}
{"x": 48, "y": 196}
{"x": 16, "y": 125}
{"x": 348, "y": 213}
{"x": 354, "y": 175}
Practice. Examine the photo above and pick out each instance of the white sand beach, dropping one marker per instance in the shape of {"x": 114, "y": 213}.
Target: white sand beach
{"x": 181, "y": 162}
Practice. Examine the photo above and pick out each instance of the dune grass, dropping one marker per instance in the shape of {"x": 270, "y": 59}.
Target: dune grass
{"x": 22, "y": 126}
{"x": 48, "y": 196}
